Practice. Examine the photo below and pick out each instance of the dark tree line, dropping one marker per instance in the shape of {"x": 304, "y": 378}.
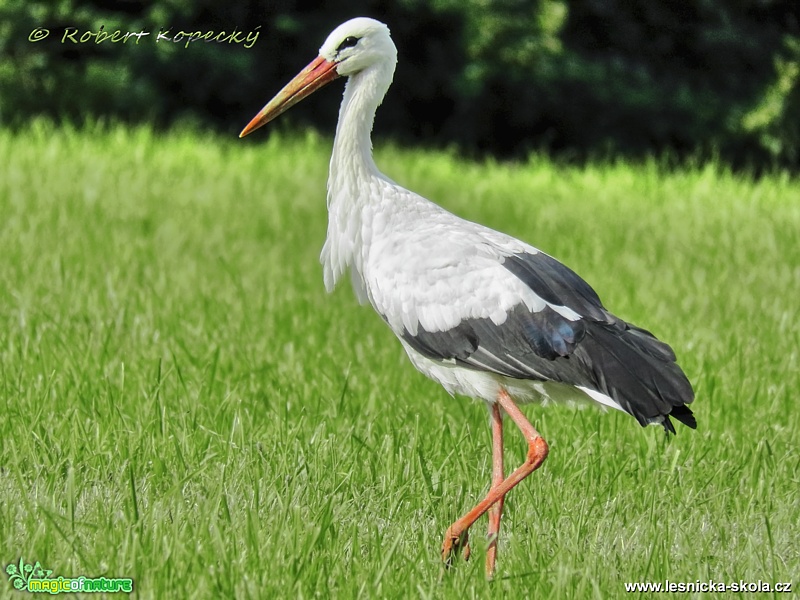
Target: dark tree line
{"x": 573, "y": 77}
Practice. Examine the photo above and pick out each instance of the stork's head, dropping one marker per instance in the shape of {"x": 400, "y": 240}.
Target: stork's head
{"x": 357, "y": 45}
{"x": 353, "y": 47}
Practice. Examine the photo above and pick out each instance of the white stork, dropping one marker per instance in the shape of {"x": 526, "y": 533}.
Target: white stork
{"x": 484, "y": 314}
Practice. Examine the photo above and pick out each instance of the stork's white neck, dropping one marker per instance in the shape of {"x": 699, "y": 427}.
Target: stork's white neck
{"x": 352, "y": 147}
{"x": 352, "y": 169}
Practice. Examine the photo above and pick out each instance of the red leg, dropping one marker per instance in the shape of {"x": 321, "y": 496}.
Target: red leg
{"x": 537, "y": 452}
{"x": 496, "y": 511}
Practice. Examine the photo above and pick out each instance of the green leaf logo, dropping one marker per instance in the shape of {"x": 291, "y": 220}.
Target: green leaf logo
{"x": 21, "y": 573}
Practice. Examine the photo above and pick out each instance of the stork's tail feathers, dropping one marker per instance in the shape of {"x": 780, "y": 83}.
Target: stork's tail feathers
{"x": 638, "y": 372}
{"x": 683, "y": 414}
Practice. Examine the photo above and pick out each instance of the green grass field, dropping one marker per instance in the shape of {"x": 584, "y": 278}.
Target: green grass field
{"x": 184, "y": 405}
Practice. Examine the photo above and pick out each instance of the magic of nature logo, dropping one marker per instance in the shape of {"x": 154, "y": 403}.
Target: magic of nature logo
{"x": 34, "y": 578}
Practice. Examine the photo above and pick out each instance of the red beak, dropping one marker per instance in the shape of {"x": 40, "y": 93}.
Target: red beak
{"x": 317, "y": 74}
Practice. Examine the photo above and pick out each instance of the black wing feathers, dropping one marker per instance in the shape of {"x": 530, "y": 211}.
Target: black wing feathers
{"x": 460, "y": 342}
{"x": 556, "y": 283}
{"x": 646, "y": 386}
{"x": 598, "y": 351}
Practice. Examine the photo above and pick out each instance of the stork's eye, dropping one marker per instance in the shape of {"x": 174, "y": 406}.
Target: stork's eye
{"x": 348, "y": 42}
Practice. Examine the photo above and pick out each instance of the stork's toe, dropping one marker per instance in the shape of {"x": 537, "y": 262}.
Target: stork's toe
{"x": 453, "y": 543}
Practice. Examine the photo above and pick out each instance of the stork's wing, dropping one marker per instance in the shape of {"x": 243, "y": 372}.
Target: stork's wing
{"x": 460, "y": 293}
{"x": 558, "y": 330}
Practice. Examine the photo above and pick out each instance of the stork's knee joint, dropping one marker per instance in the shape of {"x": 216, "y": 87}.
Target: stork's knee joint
{"x": 537, "y": 451}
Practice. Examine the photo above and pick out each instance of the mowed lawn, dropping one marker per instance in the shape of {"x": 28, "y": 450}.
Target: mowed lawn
{"x": 182, "y": 403}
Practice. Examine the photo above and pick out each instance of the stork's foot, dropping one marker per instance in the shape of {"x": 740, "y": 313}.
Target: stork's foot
{"x": 453, "y": 543}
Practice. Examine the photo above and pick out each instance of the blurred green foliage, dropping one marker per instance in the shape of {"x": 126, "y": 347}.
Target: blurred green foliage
{"x": 574, "y": 77}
